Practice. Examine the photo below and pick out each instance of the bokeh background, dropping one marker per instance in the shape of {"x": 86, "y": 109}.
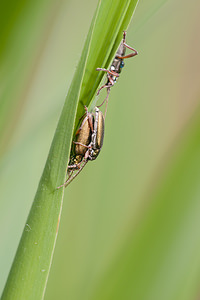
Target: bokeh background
{"x": 149, "y": 110}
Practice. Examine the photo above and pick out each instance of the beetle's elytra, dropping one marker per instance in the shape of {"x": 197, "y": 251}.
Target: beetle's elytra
{"x": 83, "y": 137}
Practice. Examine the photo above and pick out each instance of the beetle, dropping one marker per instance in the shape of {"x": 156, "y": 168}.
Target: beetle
{"x": 116, "y": 67}
{"x": 88, "y": 143}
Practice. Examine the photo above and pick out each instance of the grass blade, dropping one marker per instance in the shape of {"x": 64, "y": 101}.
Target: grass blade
{"x": 30, "y": 269}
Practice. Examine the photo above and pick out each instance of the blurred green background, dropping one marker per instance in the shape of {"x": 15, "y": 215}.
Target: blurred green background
{"x": 149, "y": 110}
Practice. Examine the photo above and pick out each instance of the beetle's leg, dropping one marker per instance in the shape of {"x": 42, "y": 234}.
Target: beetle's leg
{"x": 108, "y": 91}
{"x": 102, "y": 87}
{"x": 70, "y": 173}
{"x": 80, "y": 128}
{"x": 128, "y": 55}
{"x": 77, "y": 143}
{"x": 75, "y": 166}
{"x": 129, "y": 47}
{"x": 105, "y": 100}
{"x": 124, "y": 36}
{"x": 113, "y": 73}
{"x": 80, "y": 166}
{"x": 108, "y": 85}
{"x": 110, "y": 80}
{"x": 69, "y": 180}
{"x": 88, "y": 117}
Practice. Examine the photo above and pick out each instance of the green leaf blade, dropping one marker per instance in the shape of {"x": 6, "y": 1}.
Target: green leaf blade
{"x": 30, "y": 269}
